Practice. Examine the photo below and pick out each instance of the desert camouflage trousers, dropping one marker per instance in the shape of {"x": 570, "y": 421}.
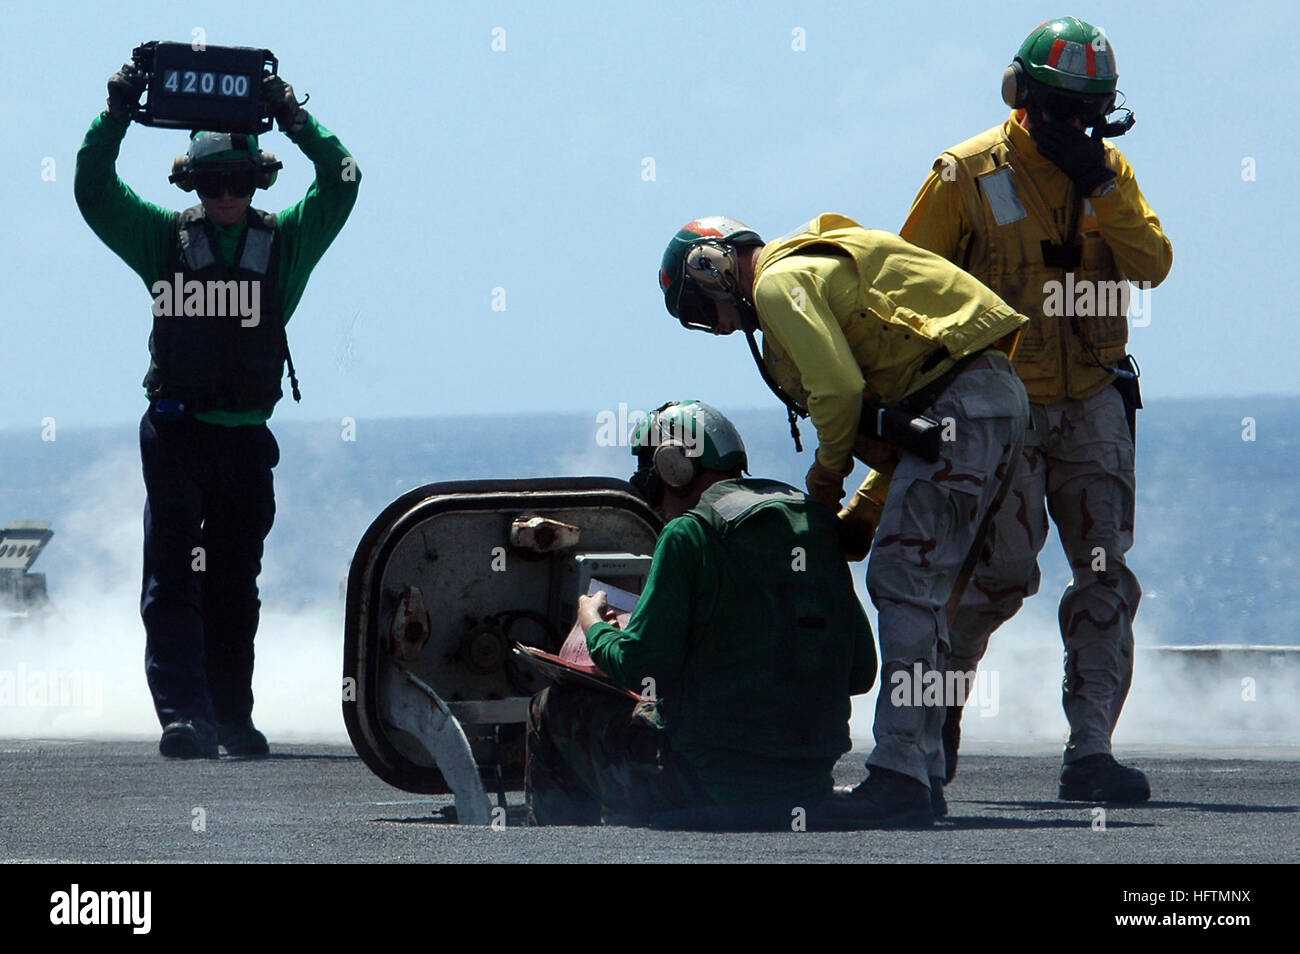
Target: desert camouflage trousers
{"x": 929, "y": 524}
{"x": 594, "y": 756}
{"x": 1078, "y": 466}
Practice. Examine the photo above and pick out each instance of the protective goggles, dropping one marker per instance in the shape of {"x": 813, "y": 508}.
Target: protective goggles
{"x": 212, "y": 183}
{"x": 695, "y": 309}
{"x": 1064, "y": 107}
{"x": 647, "y": 482}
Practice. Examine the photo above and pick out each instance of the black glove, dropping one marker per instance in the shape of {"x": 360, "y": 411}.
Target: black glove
{"x": 125, "y": 87}
{"x": 284, "y": 105}
{"x": 1079, "y": 156}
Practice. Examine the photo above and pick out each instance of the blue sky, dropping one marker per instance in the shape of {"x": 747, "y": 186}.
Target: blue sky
{"x": 525, "y": 169}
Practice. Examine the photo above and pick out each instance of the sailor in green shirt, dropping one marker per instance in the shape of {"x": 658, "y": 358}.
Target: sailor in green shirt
{"x": 746, "y": 644}
{"x": 225, "y": 279}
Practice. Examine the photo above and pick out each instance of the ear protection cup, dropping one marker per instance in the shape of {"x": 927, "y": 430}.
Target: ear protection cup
{"x": 269, "y": 169}
{"x": 181, "y": 174}
{"x": 1015, "y": 86}
{"x": 713, "y": 267}
{"x": 675, "y": 467}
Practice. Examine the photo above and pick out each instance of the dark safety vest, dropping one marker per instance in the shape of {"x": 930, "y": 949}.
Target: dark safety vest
{"x": 769, "y": 665}
{"x": 218, "y": 340}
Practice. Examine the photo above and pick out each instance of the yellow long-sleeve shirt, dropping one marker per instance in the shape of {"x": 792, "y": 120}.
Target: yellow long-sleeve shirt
{"x": 1118, "y": 233}
{"x": 847, "y": 312}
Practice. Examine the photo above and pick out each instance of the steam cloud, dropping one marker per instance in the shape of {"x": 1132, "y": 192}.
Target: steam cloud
{"x": 95, "y": 636}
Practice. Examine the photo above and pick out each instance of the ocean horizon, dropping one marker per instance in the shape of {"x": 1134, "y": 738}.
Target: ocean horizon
{"x": 1217, "y": 513}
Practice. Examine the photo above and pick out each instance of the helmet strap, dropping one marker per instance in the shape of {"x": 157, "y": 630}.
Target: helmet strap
{"x": 748, "y": 314}
{"x": 793, "y": 409}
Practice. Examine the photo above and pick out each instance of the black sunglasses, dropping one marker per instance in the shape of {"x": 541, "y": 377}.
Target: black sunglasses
{"x": 213, "y": 183}
{"x": 694, "y": 308}
{"x": 647, "y": 482}
{"x": 1063, "y": 107}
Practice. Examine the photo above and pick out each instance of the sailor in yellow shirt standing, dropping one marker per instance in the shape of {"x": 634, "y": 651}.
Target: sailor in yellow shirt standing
{"x": 1051, "y": 218}
{"x": 859, "y": 327}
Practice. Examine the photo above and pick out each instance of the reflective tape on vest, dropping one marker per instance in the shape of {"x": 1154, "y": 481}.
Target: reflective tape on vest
{"x": 257, "y": 251}
{"x": 999, "y": 189}
{"x": 196, "y": 247}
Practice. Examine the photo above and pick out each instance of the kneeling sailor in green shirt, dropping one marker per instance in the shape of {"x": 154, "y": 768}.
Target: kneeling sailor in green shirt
{"x": 748, "y": 631}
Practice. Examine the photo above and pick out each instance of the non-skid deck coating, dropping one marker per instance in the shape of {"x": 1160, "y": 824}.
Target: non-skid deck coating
{"x": 119, "y": 801}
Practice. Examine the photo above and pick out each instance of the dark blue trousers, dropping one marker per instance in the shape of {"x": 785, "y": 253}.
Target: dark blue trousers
{"x": 210, "y": 504}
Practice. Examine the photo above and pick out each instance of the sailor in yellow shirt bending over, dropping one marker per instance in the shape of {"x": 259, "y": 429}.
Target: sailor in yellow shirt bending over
{"x": 895, "y": 355}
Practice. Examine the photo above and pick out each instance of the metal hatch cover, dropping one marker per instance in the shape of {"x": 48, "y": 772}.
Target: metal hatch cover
{"x": 441, "y": 585}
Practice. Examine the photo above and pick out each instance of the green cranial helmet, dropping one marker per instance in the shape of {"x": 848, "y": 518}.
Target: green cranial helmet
{"x": 222, "y": 147}
{"x": 223, "y": 153}
{"x": 699, "y": 265}
{"x": 679, "y": 439}
{"x": 1070, "y": 55}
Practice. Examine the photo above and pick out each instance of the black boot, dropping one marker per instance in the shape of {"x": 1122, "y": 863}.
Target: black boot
{"x": 938, "y": 804}
{"x": 1099, "y": 778}
{"x": 189, "y": 739}
{"x": 951, "y": 735}
{"x": 889, "y": 799}
{"x": 242, "y": 739}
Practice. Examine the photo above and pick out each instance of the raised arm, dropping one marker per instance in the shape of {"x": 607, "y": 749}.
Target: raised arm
{"x": 311, "y": 224}
{"x": 135, "y": 230}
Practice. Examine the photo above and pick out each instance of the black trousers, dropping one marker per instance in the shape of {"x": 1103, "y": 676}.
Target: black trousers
{"x": 210, "y": 504}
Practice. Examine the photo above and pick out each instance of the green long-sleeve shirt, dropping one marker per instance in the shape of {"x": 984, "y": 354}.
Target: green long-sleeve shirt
{"x": 683, "y": 577}
{"x": 140, "y": 233}
{"x": 694, "y": 633}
